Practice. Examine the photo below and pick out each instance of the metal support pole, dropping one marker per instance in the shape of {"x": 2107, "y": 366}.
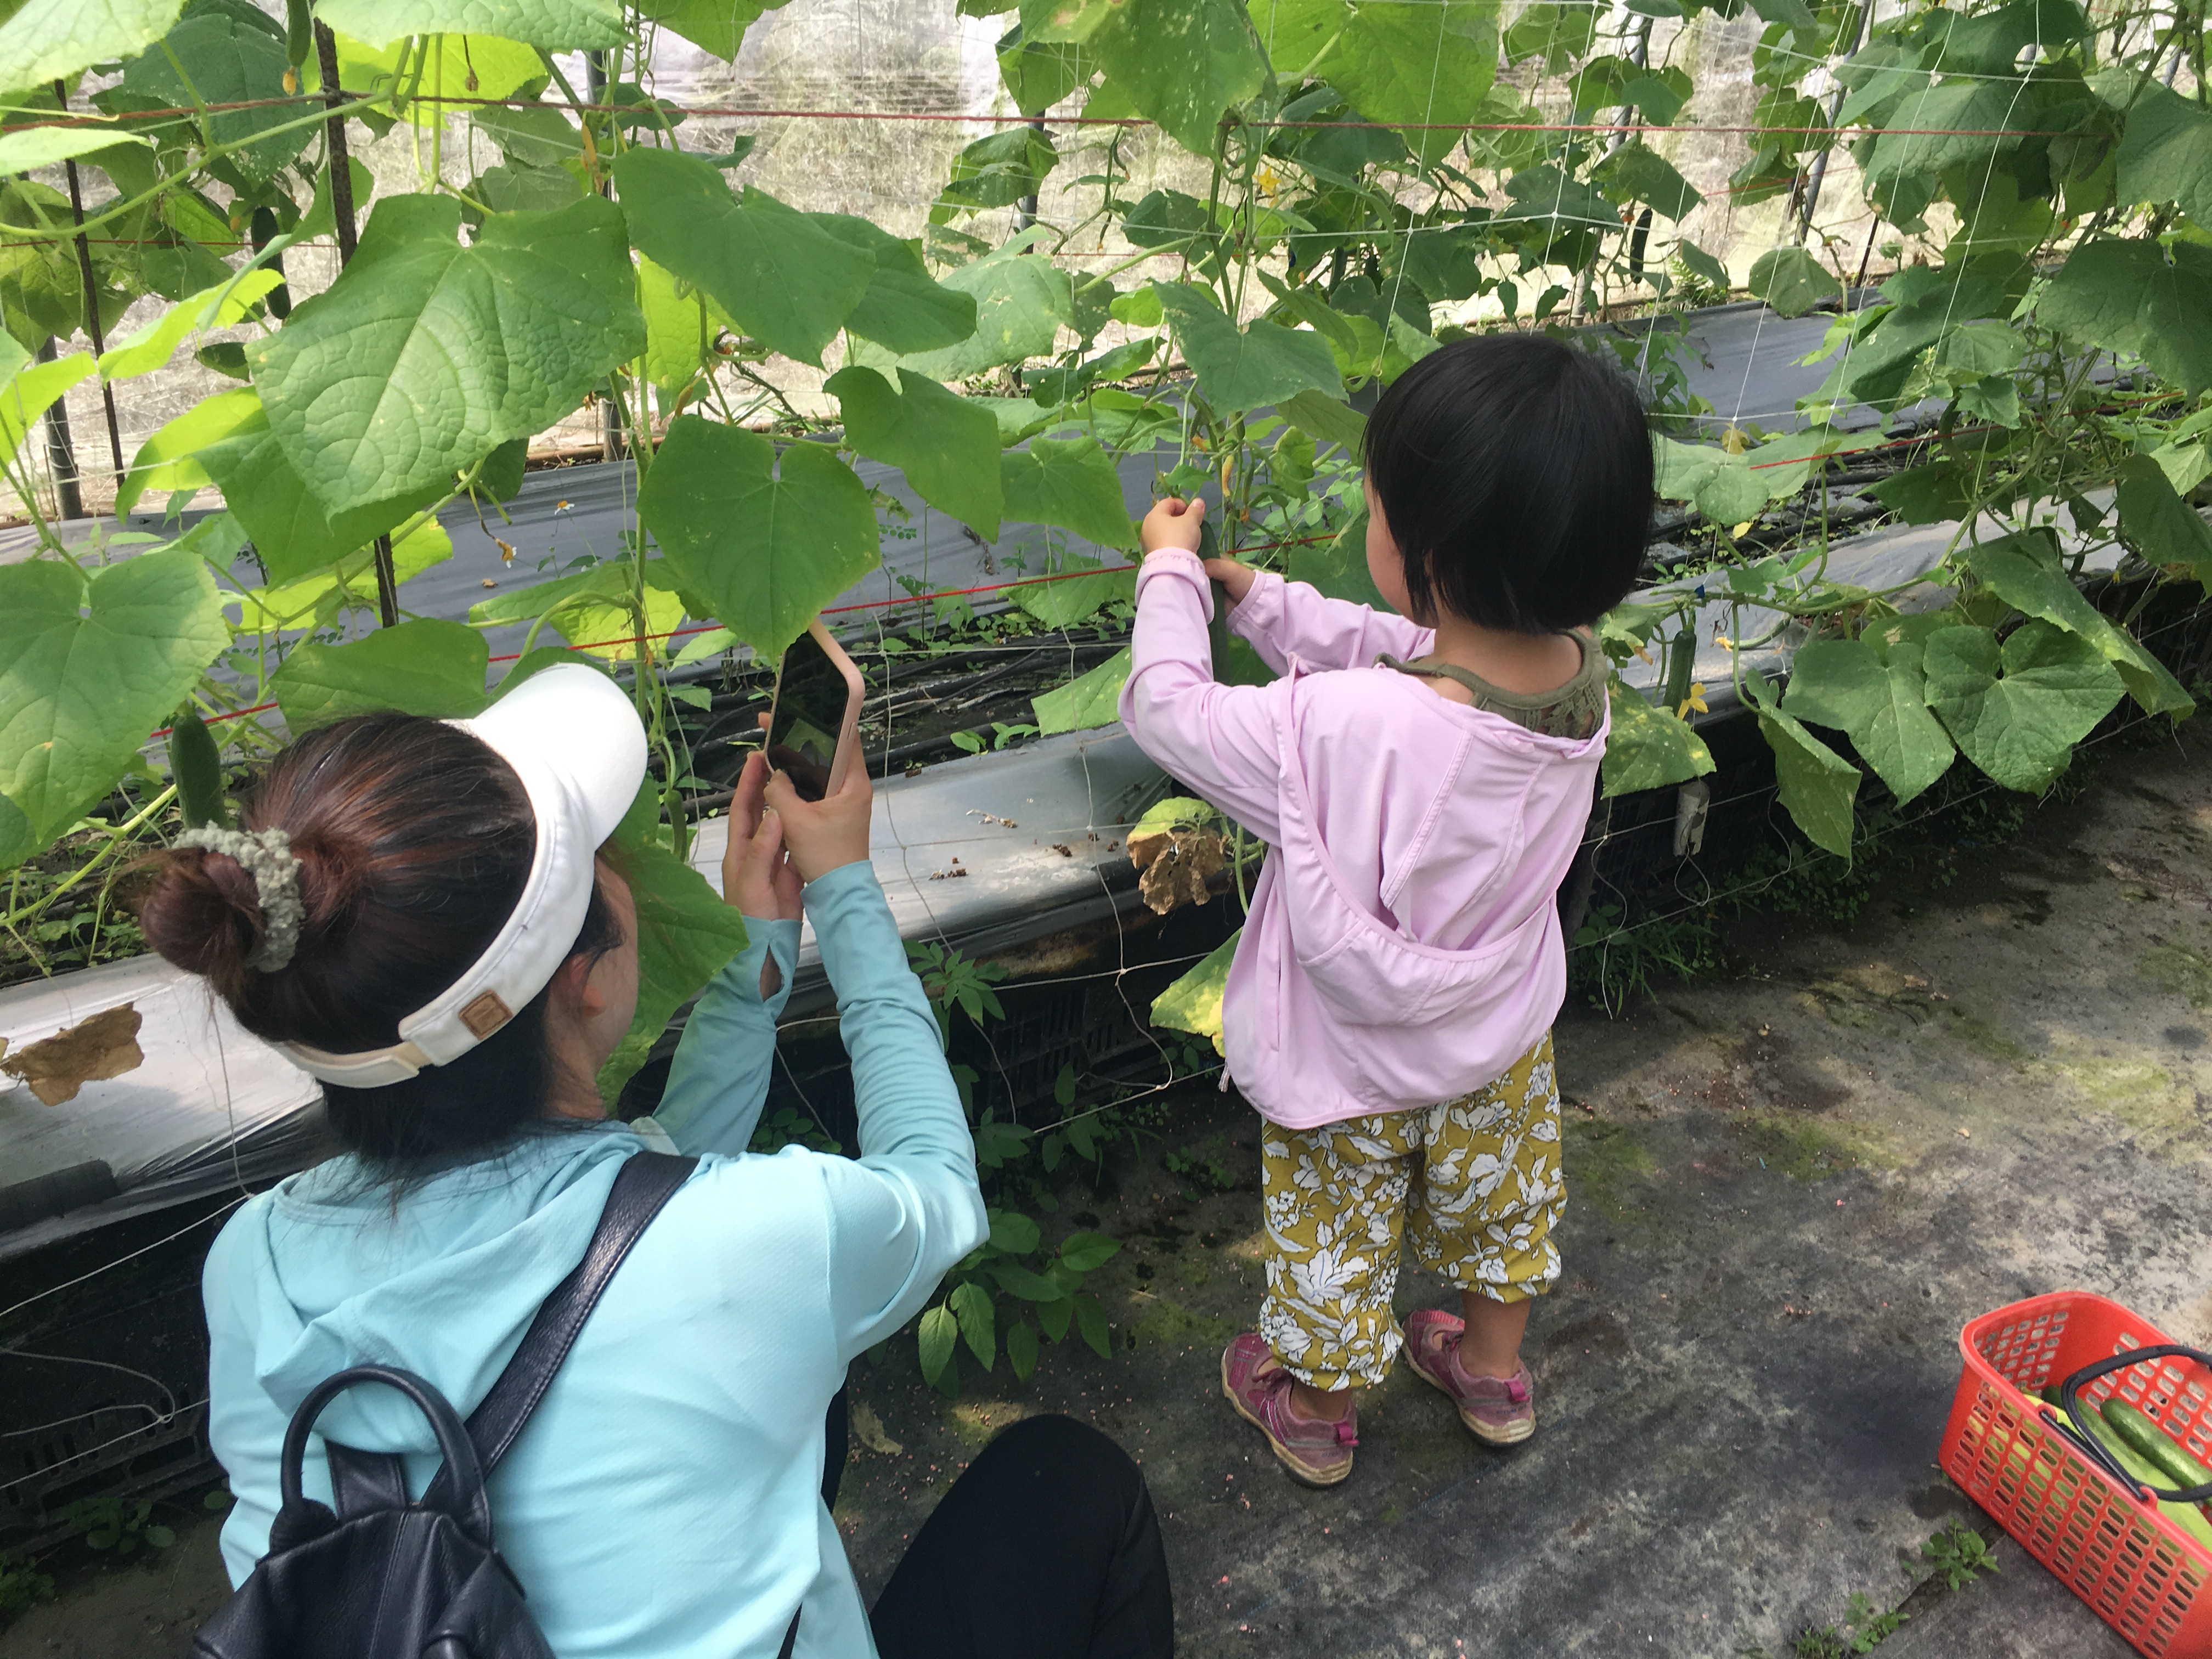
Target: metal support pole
{"x": 610, "y": 409}
{"x": 61, "y": 457}
{"x": 341, "y": 165}
{"x": 91, "y": 328}
{"x": 1025, "y": 209}
{"x": 1810, "y": 196}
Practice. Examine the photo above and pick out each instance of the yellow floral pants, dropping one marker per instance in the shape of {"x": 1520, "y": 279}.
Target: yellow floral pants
{"x": 1476, "y": 1181}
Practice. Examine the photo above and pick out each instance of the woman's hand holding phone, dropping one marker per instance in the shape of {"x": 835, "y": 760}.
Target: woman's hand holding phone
{"x": 825, "y": 835}
{"x": 758, "y": 876}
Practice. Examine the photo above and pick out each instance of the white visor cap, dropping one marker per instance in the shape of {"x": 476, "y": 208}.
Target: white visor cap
{"x": 576, "y": 741}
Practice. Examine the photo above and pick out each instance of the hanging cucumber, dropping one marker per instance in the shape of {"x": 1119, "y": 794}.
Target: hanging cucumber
{"x": 1209, "y": 547}
{"x": 298, "y": 41}
{"x": 197, "y": 768}
{"x": 264, "y": 231}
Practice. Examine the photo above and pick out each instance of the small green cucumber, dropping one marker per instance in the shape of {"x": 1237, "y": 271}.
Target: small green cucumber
{"x": 196, "y": 766}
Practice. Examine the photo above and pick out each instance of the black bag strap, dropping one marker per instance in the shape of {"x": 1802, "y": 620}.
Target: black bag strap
{"x": 648, "y": 1181}
{"x": 362, "y": 1481}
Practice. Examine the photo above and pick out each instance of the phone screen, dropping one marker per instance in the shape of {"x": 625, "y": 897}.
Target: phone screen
{"x": 805, "y": 719}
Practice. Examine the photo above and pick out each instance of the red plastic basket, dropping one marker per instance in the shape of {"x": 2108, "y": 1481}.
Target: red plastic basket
{"x": 2139, "y": 1572}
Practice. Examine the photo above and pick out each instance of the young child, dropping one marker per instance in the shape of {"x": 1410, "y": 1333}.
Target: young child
{"x": 1421, "y": 781}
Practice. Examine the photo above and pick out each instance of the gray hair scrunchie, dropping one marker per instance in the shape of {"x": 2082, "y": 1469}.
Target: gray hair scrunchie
{"x": 265, "y": 855}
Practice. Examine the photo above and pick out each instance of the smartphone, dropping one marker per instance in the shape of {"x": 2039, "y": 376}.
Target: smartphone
{"x": 813, "y": 722}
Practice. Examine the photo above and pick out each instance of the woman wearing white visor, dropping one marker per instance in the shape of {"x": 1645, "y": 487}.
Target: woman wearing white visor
{"x": 418, "y": 912}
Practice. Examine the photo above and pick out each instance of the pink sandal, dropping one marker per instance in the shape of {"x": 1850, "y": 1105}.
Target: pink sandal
{"x": 1498, "y": 1410}
{"x": 1319, "y": 1454}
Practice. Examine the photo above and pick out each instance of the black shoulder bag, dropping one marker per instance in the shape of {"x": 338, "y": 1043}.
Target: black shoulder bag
{"x": 378, "y": 1577}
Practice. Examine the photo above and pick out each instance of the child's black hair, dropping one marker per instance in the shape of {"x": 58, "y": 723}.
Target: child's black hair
{"x": 1515, "y": 473}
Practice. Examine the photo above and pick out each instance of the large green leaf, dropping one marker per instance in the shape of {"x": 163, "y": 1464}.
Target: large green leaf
{"x": 1648, "y": 748}
{"x": 168, "y": 459}
{"x": 225, "y": 60}
{"x": 1087, "y": 701}
{"x": 766, "y": 538}
{"x": 293, "y": 535}
{"x": 29, "y": 149}
{"x": 1949, "y": 125}
{"x": 1244, "y": 369}
{"x": 1791, "y": 280}
{"x": 2166, "y": 155}
{"x": 30, "y": 388}
{"x": 2024, "y": 573}
{"x": 89, "y": 666}
{"x": 1040, "y": 73}
{"x": 348, "y": 583}
{"x": 1725, "y": 488}
{"x": 686, "y": 935}
{"x": 17, "y": 842}
{"x": 1637, "y": 173}
{"x": 904, "y": 307}
{"x": 225, "y": 441}
{"x": 51, "y": 40}
{"x": 937, "y": 1337}
{"x": 1338, "y": 566}
{"x": 595, "y": 609}
{"x": 1071, "y": 482}
{"x": 718, "y": 26}
{"x": 997, "y": 170}
{"x": 498, "y": 68}
{"x": 562, "y": 24}
{"x": 1068, "y": 600}
{"x": 535, "y": 134}
{"x": 2017, "y": 712}
{"x": 1818, "y": 786}
{"x": 1022, "y": 300}
{"x": 2134, "y": 296}
{"x": 151, "y": 347}
{"x": 947, "y": 446}
{"x": 1423, "y": 65}
{"x": 2158, "y": 524}
{"x": 424, "y": 356}
{"x": 1193, "y": 1003}
{"x": 428, "y": 666}
{"x": 1324, "y": 417}
{"x": 1181, "y": 62}
{"x": 788, "y": 281}
{"x": 681, "y": 323}
{"x": 1880, "y": 702}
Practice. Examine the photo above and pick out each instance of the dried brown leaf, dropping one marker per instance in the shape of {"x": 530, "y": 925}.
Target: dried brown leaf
{"x": 91, "y": 1051}
{"x": 1178, "y": 864}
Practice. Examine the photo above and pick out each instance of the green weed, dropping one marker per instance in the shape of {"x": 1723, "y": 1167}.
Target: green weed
{"x": 1958, "y": 1555}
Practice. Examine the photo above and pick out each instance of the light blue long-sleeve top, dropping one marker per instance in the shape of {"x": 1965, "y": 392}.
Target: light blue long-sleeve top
{"x": 664, "y": 1502}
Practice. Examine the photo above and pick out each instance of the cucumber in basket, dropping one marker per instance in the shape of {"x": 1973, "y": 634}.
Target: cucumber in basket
{"x": 2151, "y": 1442}
{"x": 2187, "y": 1516}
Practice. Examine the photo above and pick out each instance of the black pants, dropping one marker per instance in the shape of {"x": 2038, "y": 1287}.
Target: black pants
{"x": 1046, "y": 1548}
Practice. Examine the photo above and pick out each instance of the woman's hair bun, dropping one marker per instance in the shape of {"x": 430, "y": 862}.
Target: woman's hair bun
{"x": 411, "y": 840}
{"x": 200, "y": 910}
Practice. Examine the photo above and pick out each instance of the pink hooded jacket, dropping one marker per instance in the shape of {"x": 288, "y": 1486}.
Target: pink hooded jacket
{"x": 1403, "y": 946}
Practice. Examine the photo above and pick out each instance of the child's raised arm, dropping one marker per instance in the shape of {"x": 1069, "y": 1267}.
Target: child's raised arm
{"x": 1221, "y": 740}
{"x": 1285, "y": 619}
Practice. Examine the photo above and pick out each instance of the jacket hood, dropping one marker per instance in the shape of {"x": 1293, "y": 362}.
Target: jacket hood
{"x": 441, "y": 1281}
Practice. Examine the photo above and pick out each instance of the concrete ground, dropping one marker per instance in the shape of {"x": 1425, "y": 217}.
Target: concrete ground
{"x": 1789, "y": 1188}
